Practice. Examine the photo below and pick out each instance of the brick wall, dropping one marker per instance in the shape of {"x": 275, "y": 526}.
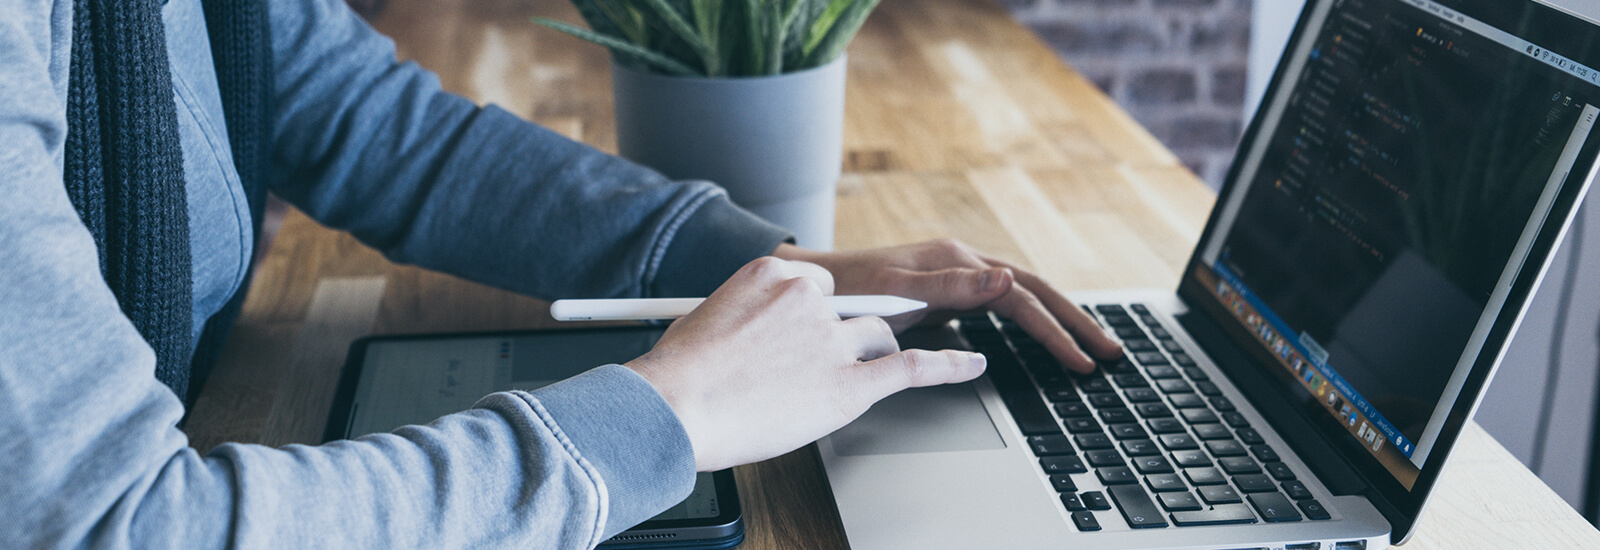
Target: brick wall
{"x": 1178, "y": 66}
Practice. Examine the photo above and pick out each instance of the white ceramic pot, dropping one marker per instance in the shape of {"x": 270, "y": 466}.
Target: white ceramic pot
{"x": 774, "y": 142}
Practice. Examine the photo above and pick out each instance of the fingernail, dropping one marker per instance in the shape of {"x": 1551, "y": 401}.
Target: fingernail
{"x": 978, "y": 361}
{"x": 990, "y": 280}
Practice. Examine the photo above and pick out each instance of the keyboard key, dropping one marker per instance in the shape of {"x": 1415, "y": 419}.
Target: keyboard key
{"x": 1162, "y": 483}
{"x": 1129, "y": 431}
{"x": 1106, "y": 400}
{"x": 1119, "y": 320}
{"x": 1235, "y": 419}
{"x": 1094, "y": 383}
{"x": 1072, "y": 502}
{"x": 1063, "y": 395}
{"x": 1084, "y": 521}
{"x": 1224, "y": 514}
{"x": 1187, "y": 401}
{"x": 1152, "y": 465}
{"x": 1062, "y": 465}
{"x": 1153, "y": 410}
{"x": 1150, "y": 358}
{"x": 1172, "y": 346}
{"x": 1165, "y": 426}
{"x": 1130, "y": 380}
{"x": 1128, "y": 333}
{"x": 1178, "y": 442}
{"x": 1139, "y": 344}
{"x": 1141, "y": 395}
{"x": 1063, "y": 483}
{"x": 1194, "y": 373}
{"x": 1136, "y": 507}
{"x": 1255, "y": 483}
{"x": 1080, "y": 425}
{"x": 1094, "y": 500}
{"x": 1184, "y": 360}
{"x": 1219, "y": 494}
{"x": 1198, "y": 416}
{"x": 1222, "y": 404}
{"x": 1140, "y": 309}
{"x": 1207, "y": 388}
{"x": 1179, "y": 502}
{"x": 1149, "y": 320}
{"x": 1092, "y": 441}
{"x": 1120, "y": 366}
{"x": 1314, "y": 510}
{"x": 1249, "y": 436}
{"x": 1264, "y": 453}
{"x": 1204, "y": 476}
{"x": 1239, "y": 465}
{"x": 1072, "y": 409}
{"x": 1274, "y": 508}
{"x": 1115, "y": 475}
{"x": 1212, "y": 431}
{"x": 1296, "y": 490}
{"x": 1280, "y": 471}
{"x": 1163, "y": 372}
{"x": 1191, "y": 459}
{"x": 1118, "y": 415}
{"x": 1174, "y": 385}
{"x": 1140, "y": 447}
{"x": 1102, "y": 458}
{"x": 1050, "y": 445}
{"x": 1225, "y": 447}
{"x": 1111, "y": 309}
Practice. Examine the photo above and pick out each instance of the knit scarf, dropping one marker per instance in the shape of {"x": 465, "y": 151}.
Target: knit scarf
{"x": 124, "y": 163}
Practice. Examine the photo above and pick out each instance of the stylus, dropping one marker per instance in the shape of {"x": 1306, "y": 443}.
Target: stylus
{"x": 643, "y": 309}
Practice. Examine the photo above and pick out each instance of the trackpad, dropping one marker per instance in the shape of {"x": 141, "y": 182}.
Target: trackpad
{"x": 921, "y": 420}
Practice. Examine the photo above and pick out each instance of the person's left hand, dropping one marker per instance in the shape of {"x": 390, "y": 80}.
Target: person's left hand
{"x": 952, "y": 277}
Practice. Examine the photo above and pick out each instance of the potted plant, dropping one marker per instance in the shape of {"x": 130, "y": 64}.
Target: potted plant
{"x": 746, "y": 93}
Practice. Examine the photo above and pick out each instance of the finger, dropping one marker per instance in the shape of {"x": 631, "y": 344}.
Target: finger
{"x": 814, "y": 273}
{"x": 873, "y": 337}
{"x": 1023, "y": 307}
{"x": 957, "y": 288}
{"x": 916, "y": 368}
{"x": 770, "y": 270}
{"x": 1087, "y": 332}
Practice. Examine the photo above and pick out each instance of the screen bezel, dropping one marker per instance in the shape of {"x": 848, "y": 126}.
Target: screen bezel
{"x": 1558, "y": 31}
{"x": 725, "y": 526}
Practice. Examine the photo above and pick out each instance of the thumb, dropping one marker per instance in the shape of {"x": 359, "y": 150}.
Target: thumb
{"x": 957, "y": 288}
{"x": 916, "y": 368}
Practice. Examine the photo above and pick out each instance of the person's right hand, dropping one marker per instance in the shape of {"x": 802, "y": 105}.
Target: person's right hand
{"x": 764, "y": 366}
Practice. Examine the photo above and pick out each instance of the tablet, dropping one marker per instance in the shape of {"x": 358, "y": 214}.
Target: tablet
{"x": 392, "y": 381}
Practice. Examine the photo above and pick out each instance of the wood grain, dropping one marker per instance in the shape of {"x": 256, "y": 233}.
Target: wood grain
{"x": 960, "y": 123}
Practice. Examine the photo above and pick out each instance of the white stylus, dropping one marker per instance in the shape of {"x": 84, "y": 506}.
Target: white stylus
{"x": 644, "y": 309}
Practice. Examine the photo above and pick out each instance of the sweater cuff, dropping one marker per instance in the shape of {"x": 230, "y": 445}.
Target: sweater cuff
{"x": 625, "y": 429}
{"x": 711, "y": 245}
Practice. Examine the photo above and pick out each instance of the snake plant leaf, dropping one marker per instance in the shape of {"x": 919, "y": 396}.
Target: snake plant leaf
{"x": 755, "y": 29}
{"x": 619, "y": 46}
{"x": 824, "y": 22}
{"x": 685, "y": 32}
{"x": 844, "y": 29}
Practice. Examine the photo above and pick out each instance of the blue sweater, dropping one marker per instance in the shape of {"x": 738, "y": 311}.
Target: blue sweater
{"x": 88, "y": 437}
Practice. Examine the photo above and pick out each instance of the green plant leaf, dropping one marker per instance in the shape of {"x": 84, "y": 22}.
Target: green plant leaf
{"x": 755, "y": 29}
{"x": 675, "y": 22}
{"x": 840, "y": 35}
{"x": 620, "y": 47}
{"x": 774, "y": 45}
{"x": 824, "y": 23}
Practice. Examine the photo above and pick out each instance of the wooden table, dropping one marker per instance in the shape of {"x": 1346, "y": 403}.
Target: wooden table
{"x": 955, "y": 115}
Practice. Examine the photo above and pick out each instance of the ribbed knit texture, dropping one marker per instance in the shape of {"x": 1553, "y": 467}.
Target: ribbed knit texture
{"x": 124, "y": 163}
{"x": 124, "y": 171}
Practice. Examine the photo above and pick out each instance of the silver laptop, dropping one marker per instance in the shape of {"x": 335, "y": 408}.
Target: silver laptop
{"x": 1388, "y": 215}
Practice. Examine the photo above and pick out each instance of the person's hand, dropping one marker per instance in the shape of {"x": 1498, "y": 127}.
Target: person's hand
{"x": 952, "y": 277}
{"x": 765, "y": 366}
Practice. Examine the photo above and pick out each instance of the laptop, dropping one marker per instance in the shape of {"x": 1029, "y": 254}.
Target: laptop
{"x": 1386, "y": 220}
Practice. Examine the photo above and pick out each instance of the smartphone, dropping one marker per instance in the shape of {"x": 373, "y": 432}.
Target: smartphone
{"x": 392, "y": 381}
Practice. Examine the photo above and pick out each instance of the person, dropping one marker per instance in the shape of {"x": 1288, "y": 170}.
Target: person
{"x": 136, "y": 140}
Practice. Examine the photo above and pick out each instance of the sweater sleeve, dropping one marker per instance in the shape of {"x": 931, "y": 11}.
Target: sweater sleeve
{"x": 374, "y": 146}
{"x": 93, "y": 457}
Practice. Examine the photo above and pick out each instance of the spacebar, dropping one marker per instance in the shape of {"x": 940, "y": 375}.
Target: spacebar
{"x": 1021, "y": 399}
{"x": 1219, "y": 515}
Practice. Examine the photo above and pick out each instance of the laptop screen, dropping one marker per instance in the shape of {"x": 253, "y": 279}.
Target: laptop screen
{"x": 1394, "y": 187}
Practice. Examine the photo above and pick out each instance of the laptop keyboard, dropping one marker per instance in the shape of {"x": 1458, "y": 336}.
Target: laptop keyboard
{"x": 1150, "y": 436}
